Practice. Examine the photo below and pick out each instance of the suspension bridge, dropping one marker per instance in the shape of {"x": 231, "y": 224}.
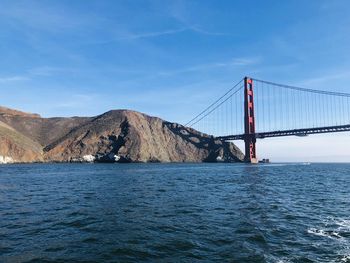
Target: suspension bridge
{"x": 257, "y": 109}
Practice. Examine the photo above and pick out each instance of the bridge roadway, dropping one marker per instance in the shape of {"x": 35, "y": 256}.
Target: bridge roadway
{"x": 295, "y": 132}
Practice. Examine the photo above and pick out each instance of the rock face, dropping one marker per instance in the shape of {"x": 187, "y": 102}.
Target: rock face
{"x": 115, "y": 136}
{"x": 14, "y": 146}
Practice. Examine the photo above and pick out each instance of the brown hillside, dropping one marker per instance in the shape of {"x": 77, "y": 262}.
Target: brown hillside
{"x": 17, "y": 146}
{"x": 129, "y": 135}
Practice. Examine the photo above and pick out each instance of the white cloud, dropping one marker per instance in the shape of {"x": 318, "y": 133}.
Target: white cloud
{"x": 50, "y": 17}
{"x": 236, "y": 62}
{"x": 152, "y": 34}
{"x": 13, "y": 79}
{"x": 327, "y": 77}
{"x": 77, "y": 101}
{"x": 200, "y": 30}
{"x": 179, "y": 11}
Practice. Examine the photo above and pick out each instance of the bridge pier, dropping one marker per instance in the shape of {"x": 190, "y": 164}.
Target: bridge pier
{"x": 250, "y": 150}
{"x": 249, "y": 122}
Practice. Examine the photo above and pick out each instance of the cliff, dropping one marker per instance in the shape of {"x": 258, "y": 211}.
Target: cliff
{"x": 118, "y": 135}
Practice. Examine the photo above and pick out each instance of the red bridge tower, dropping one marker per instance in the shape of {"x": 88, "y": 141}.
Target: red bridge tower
{"x": 249, "y": 122}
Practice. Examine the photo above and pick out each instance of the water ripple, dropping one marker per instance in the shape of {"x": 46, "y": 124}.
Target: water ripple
{"x": 175, "y": 213}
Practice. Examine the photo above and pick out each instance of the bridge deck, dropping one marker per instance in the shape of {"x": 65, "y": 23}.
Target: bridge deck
{"x": 296, "y": 132}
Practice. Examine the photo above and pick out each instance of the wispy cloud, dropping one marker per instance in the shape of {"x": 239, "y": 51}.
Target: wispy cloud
{"x": 153, "y": 34}
{"x": 47, "y": 71}
{"x": 176, "y": 13}
{"x": 236, "y": 62}
{"x": 39, "y": 16}
{"x": 50, "y": 71}
{"x": 12, "y": 79}
{"x": 179, "y": 12}
{"x": 77, "y": 101}
{"x": 324, "y": 79}
{"x": 200, "y": 30}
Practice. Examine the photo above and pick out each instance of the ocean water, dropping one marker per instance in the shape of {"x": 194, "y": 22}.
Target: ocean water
{"x": 175, "y": 213}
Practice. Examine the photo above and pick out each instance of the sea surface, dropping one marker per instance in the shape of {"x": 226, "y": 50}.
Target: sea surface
{"x": 175, "y": 213}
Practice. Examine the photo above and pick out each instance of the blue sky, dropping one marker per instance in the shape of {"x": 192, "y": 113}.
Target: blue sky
{"x": 164, "y": 58}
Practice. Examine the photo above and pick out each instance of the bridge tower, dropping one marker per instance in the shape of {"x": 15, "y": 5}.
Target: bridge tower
{"x": 249, "y": 122}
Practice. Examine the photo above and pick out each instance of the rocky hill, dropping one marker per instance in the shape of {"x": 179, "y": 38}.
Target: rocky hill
{"x": 118, "y": 135}
{"x": 15, "y": 146}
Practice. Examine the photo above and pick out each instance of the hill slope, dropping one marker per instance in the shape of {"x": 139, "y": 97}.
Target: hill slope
{"x": 17, "y": 147}
{"x": 123, "y": 135}
{"x": 42, "y": 130}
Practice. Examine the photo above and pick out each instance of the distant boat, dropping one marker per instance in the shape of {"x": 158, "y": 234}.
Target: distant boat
{"x": 264, "y": 161}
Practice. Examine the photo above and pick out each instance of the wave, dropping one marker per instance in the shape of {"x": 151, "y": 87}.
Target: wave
{"x": 324, "y": 233}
